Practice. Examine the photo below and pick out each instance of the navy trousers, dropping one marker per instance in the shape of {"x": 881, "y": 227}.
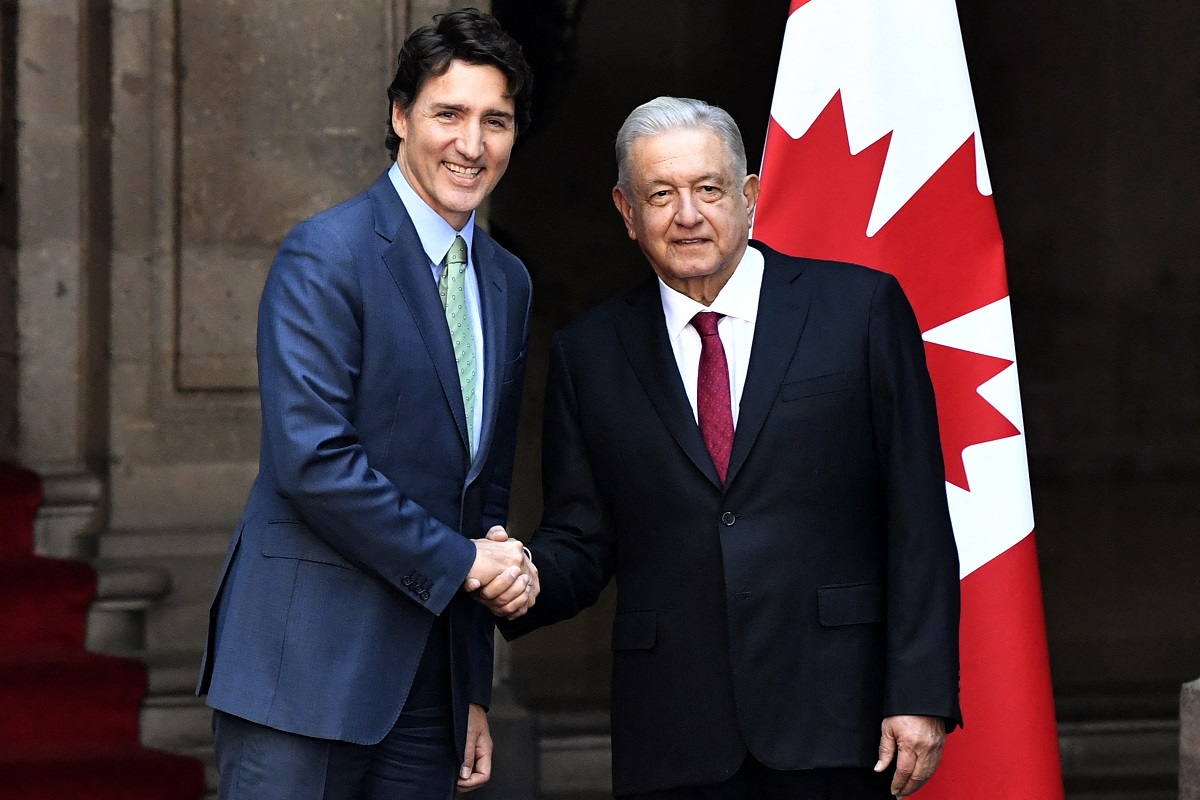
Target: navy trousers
{"x": 415, "y": 761}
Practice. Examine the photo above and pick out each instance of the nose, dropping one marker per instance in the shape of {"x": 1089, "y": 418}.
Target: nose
{"x": 687, "y": 213}
{"x": 470, "y": 141}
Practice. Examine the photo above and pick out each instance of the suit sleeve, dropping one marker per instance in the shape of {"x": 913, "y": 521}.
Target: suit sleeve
{"x": 923, "y": 582}
{"x": 310, "y": 357}
{"x": 574, "y": 547}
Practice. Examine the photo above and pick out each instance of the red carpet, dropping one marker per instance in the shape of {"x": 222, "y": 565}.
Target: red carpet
{"x": 68, "y": 718}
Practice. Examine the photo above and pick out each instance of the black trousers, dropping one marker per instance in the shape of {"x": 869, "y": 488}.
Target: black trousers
{"x": 757, "y": 782}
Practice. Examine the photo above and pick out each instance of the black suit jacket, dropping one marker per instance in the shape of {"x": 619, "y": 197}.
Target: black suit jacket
{"x": 789, "y": 610}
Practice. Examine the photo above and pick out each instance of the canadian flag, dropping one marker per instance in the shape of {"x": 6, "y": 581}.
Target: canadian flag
{"x": 873, "y": 156}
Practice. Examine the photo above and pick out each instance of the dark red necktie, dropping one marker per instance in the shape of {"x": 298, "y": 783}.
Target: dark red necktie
{"x": 713, "y": 406}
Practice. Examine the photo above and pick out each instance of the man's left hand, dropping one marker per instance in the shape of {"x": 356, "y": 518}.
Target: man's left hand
{"x": 477, "y": 760}
{"x": 919, "y": 741}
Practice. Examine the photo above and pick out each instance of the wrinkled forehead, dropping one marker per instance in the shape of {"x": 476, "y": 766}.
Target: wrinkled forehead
{"x": 681, "y": 154}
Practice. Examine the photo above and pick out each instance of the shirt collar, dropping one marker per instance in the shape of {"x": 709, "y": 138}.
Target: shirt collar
{"x": 435, "y": 233}
{"x": 738, "y": 298}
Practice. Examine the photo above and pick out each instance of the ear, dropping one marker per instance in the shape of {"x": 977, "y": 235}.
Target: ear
{"x": 750, "y": 189}
{"x": 399, "y": 120}
{"x": 626, "y": 208}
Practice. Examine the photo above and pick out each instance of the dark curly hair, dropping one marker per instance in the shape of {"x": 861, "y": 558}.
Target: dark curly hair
{"x": 470, "y": 36}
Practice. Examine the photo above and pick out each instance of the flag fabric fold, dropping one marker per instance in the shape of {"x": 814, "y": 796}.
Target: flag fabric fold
{"x": 873, "y": 156}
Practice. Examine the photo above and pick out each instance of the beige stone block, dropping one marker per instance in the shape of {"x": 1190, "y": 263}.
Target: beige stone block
{"x": 134, "y": 127}
{"x": 49, "y": 299}
{"x": 1189, "y": 741}
{"x": 219, "y": 293}
{"x": 131, "y": 317}
{"x": 212, "y": 438}
{"x": 130, "y": 394}
{"x": 282, "y": 113}
{"x": 50, "y": 369}
{"x": 48, "y": 68}
{"x": 51, "y": 187}
{"x": 180, "y": 495}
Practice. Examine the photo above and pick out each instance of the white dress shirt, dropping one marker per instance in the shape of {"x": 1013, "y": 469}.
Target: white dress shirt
{"x": 436, "y": 236}
{"x": 738, "y": 302}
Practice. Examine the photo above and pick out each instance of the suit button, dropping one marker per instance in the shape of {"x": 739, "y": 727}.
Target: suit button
{"x": 408, "y": 581}
{"x": 424, "y": 595}
{"x": 727, "y": 519}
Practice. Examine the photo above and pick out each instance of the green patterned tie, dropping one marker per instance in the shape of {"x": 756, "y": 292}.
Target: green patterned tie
{"x": 452, "y": 288}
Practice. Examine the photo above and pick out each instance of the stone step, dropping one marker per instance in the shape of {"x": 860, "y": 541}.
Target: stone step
{"x": 1139, "y": 753}
{"x": 1122, "y": 759}
{"x": 172, "y": 717}
{"x": 116, "y": 621}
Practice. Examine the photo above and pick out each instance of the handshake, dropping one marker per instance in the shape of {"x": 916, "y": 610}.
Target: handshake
{"x": 503, "y": 577}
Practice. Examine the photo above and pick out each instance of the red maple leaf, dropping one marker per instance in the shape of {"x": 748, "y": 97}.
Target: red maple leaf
{"x": 963, "y": 415}
{"x": 943, "y": 246}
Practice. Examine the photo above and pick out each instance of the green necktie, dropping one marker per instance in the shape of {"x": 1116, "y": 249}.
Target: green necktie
{"x": 452, "y": 289}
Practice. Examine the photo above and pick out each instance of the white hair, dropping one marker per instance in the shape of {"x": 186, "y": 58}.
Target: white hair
{"x": 663, "y": 114}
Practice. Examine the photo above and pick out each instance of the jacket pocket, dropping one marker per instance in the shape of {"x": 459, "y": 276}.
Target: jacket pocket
{"x": 850, "y": 604}
{"x": 634, "y": 630}
{"x": 509, "y": 372}
{"x": 818, "y": 384}
{"x": 289, "y": 538}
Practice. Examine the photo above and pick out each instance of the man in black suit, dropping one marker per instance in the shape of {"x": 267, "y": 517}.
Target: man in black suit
{"x": 749, "y": 444}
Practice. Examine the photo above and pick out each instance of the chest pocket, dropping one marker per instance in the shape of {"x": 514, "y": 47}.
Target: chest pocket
{"x": 814, "y": 386}
{"x": 510, "y": 369}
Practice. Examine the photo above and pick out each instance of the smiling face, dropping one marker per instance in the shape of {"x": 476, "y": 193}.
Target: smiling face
{"x": 687, "y": 210}
{"x": 456, "y": 139}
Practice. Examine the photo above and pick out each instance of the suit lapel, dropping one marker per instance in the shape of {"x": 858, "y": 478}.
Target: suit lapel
{"x": 782, "y": 312}
{"x": 406, "y": 261}
{"x": 644, "y": 339}
{"x": 494, "y": 315}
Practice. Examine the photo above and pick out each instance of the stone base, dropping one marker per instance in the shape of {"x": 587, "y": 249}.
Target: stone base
{"x": 1189, "y": 741}
{"x": 69, "y": 520}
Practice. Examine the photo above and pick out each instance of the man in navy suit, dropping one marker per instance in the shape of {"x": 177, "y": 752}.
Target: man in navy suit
{"x": 345, "y": 658}
{"x": 749, "y": 444}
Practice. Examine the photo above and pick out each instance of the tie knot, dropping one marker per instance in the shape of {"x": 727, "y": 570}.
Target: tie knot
{"x": 705, "y": 323}
{"x": 456, "y": 256}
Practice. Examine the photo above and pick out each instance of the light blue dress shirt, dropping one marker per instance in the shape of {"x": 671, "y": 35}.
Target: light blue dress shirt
{"x": 436, "y": 236}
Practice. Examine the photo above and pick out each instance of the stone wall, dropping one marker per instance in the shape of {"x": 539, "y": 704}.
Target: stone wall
{"x": 232, "y": 122}
{"x": 8, "y": 234}
{"x": 1091, "y": 120}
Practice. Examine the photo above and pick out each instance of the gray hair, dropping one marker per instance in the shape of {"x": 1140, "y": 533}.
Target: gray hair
{"x": 663, "y": 114}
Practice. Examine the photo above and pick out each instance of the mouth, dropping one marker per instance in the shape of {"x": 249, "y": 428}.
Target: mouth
{"x": 461, "y": 171}
{"x": 689, "y": 242}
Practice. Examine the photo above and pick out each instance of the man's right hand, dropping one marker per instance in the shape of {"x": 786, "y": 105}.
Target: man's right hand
{"x": 502, "y": 577}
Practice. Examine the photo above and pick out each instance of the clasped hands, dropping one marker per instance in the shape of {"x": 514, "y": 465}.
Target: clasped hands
{"x": 503, "y": 577}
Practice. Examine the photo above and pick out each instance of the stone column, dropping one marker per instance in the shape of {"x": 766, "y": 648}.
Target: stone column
{"x": 1189, "y": 741}
{"x": 61, "y": 264}
{"x": 8, "y": 234}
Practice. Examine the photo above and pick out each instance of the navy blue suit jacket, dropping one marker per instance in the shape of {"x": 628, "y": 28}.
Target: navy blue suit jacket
{"x": 788, "y": 610}
{"x": 356, "y": 532}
